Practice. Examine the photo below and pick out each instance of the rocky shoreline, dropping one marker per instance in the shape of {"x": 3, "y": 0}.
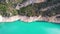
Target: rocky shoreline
{"x": 29, "y": 19}
{"x": 34, "y": 18}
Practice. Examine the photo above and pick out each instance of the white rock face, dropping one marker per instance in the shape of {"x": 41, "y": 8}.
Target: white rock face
{"x": 38, "y": 1}
{"x": 1, "y": 18}
{"x": 28, "y": 2}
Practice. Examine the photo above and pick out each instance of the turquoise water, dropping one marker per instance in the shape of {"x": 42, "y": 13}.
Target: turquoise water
{"x": 36, "y": 27}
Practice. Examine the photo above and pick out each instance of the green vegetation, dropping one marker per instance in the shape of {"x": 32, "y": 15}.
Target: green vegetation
{"x": 3, "y": 9}
{"x": 28, "y": 11}
{"x": 7, "y": 9}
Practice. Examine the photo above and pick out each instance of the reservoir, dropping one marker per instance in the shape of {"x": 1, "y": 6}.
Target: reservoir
{"x": 36, "y": 27}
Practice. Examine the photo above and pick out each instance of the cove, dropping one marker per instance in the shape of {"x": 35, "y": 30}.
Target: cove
{"x": 36, "y": 27}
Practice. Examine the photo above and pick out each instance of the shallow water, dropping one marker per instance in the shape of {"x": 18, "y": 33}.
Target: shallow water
{"x": 36, "y": 27}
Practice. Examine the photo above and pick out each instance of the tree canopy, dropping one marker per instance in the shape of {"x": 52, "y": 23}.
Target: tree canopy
{"x": 7, "y": 9}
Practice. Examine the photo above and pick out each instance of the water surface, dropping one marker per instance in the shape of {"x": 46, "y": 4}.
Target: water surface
{"x": 36, "y": 27}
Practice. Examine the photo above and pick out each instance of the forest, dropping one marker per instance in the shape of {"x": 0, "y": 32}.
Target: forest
{"x": 7, "y": 8}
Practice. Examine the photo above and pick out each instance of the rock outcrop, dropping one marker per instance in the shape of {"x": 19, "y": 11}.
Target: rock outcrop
{"x": 30, "y": 19}
{"x": 28, "y": 2}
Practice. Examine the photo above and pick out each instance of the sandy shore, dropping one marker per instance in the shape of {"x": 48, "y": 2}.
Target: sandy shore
{"x": 28, "y": 19}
